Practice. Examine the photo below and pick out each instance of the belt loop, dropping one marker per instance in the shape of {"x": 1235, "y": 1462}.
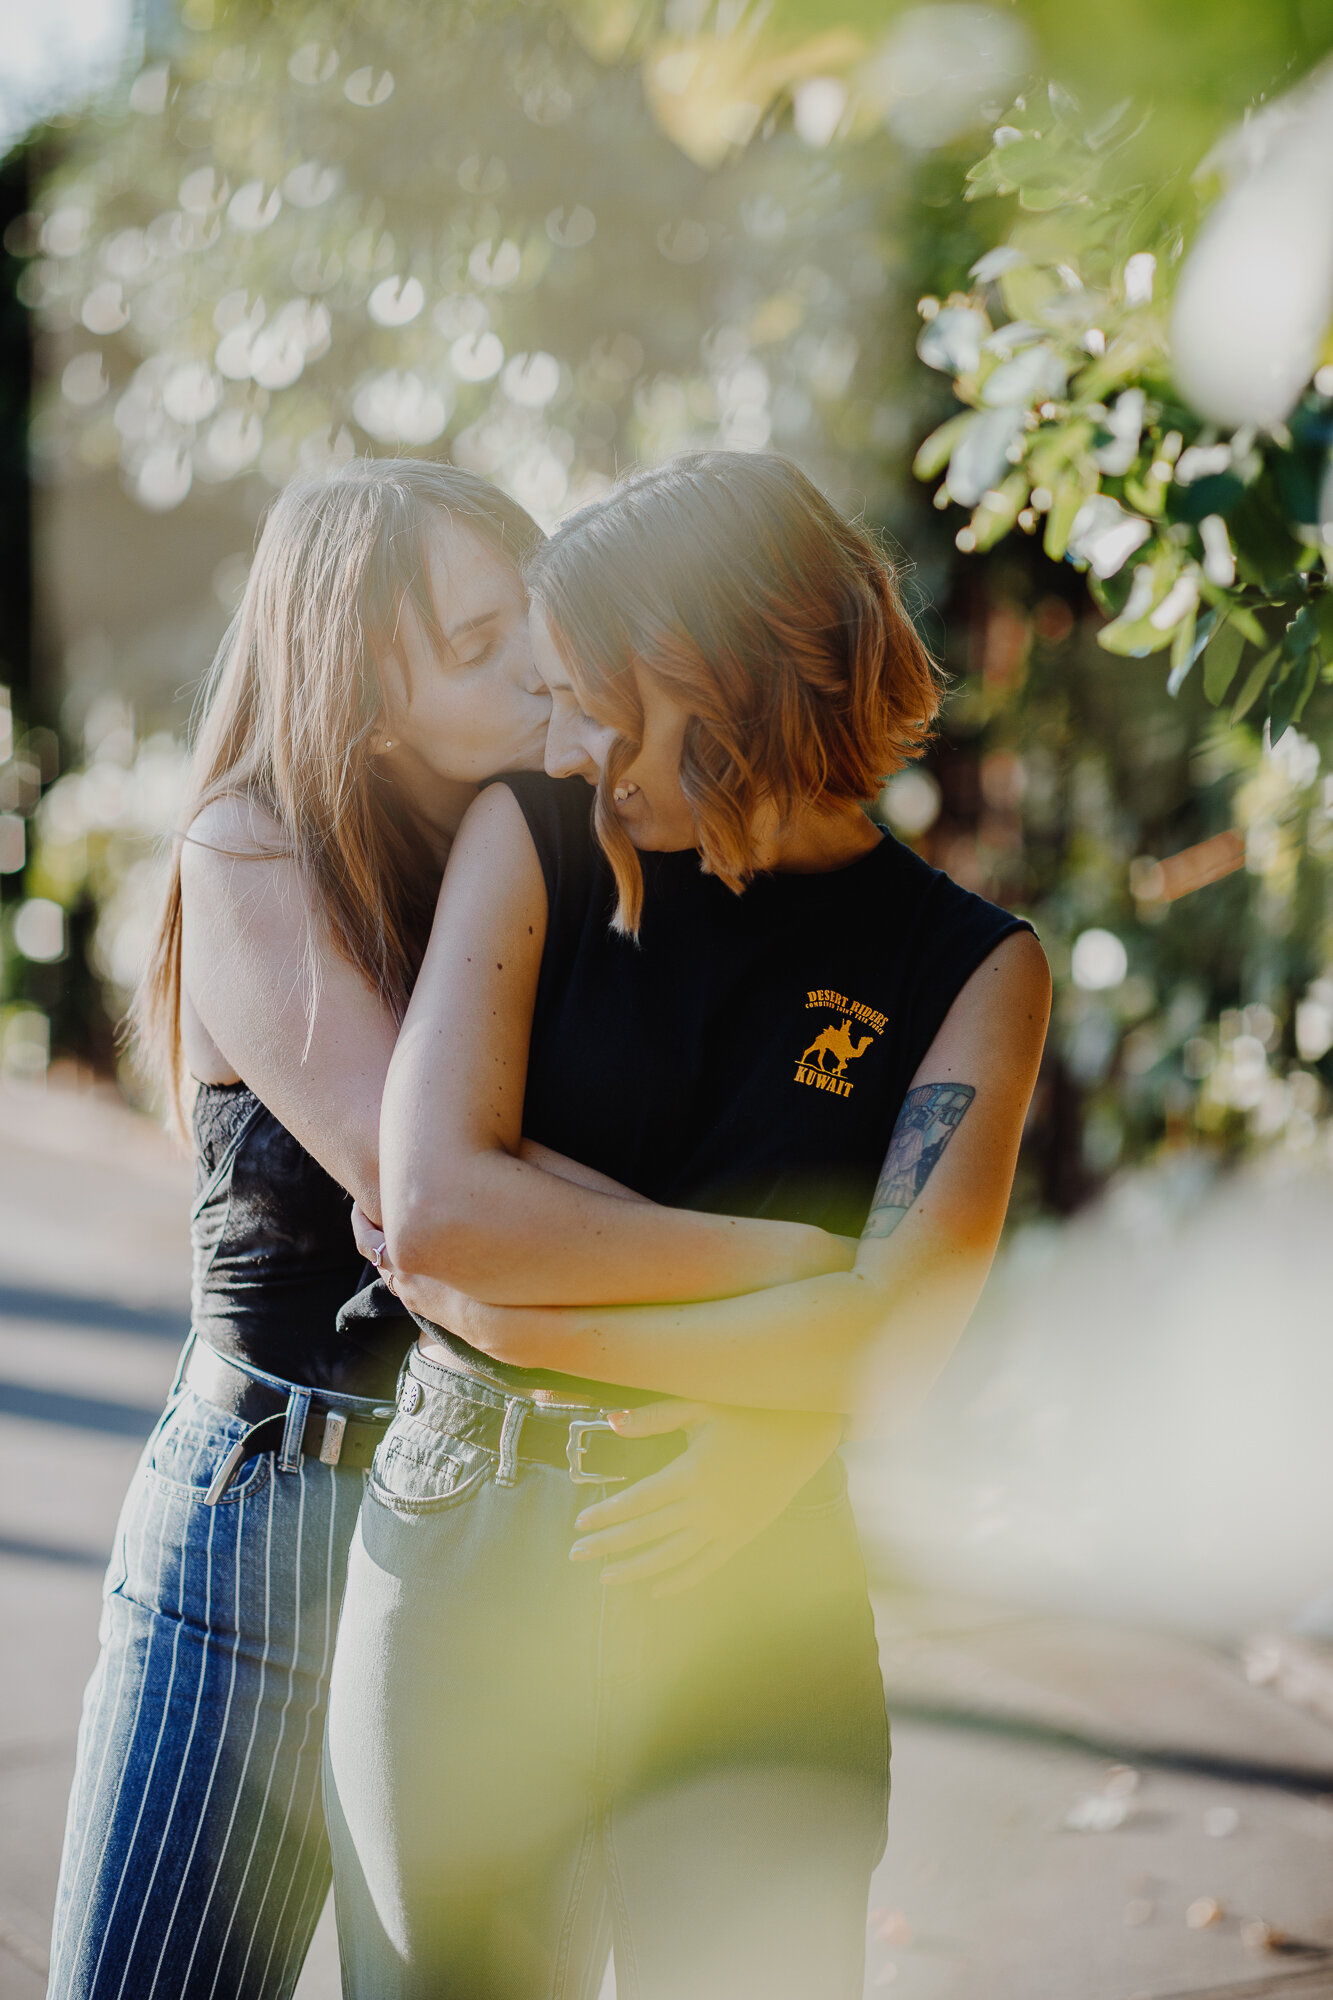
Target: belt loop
{"x": 298, "y": 1409}
{"x": 507, "y": 1470}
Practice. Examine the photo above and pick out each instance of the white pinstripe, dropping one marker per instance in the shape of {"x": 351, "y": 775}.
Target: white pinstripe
{"x": 161, "y": 1727}
{"x": 320, "y": 1685}
{"x": 138, "y": 1707}
{"x": 217, "y": 1753}
{"x": 262, "y": 1814}
{"x": 249, "y": 1748}
{"x": 89, "y": 1729}
{"x": 185, "y": 1755}
{"x": 297, "y": 1877}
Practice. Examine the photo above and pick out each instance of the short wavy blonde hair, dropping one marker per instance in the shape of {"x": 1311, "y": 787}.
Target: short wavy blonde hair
{"x": 731, "y": 580}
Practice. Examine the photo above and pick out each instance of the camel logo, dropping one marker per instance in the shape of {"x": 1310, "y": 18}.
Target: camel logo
{"x": 823, "y": 1063}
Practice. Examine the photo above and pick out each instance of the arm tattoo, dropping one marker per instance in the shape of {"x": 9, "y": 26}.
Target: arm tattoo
{"x": 930, "y": 1116}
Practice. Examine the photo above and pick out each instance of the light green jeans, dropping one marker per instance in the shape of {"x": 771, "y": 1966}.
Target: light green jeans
{"x": 514, "y": 1750}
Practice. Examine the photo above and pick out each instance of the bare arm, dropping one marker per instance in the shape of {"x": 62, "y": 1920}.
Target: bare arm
{"x": 880, "y": 1332}
{"x": 251, "y": 931}
{"x": 460, "y": 1202}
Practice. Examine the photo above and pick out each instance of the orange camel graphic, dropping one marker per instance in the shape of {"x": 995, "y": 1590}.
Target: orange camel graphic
{"x": 839, "y": 1044}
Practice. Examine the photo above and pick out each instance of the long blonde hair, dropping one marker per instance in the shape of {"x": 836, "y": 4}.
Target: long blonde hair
{"x": 290, "y": 709}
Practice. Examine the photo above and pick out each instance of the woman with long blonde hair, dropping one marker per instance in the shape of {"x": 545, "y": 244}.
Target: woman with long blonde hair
{"x": 379, "y": 667}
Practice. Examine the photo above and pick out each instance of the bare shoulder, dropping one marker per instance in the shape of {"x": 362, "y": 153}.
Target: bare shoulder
{"x": 230, "y": 829}
{"x": 493, "y": 893}
{"x": 235, "y": 868}
{"x": 495, "y": 816}
{"x": 1017, "y": 971}
{"x": 1003, "y": 1009}
{"x": 494, "y": 847}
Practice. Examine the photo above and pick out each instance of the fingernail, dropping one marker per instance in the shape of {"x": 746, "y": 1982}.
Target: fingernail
{"x": 618, "y": 1417}
{"x": 579, "y": 1553}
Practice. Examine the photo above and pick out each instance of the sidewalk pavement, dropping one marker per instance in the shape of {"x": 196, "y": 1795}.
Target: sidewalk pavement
{"x": 1080, "y": 1812}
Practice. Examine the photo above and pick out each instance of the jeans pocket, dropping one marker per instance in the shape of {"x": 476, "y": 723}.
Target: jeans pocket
{"x": 190, "y": 1446}
{"x": 416, "y": 1470}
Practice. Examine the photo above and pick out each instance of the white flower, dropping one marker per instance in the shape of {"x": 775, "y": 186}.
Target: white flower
{"x": 1104, "y": 536}
{"x": 1125, "y": 423}
{"x": 1255, "y": 295}
{"x": 1034, "y": 375}
{"x": 952, "y": 341}
{"x": 982, "y": 454}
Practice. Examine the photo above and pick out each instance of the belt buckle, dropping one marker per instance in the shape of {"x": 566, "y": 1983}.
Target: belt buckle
{"x": 579, "y": 1428}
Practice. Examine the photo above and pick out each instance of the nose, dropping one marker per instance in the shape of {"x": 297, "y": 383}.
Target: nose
{"x": 565, "y": 755}
{"x": 530, "y": 680}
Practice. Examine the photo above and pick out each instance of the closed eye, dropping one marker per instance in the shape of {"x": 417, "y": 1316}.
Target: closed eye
{"x": 479, "y": 656}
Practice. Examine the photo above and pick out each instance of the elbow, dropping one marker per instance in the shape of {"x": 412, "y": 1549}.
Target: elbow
{"x": 446, "y": 1239}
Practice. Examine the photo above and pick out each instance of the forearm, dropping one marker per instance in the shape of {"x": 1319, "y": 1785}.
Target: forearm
{"x": 515, "y": 1234}
{"x": 834, "y": 1342}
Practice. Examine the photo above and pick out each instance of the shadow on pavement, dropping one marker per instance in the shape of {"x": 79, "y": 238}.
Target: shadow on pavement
{"x": 51, "y": 1552}
{"x": 102, "y": 1315}
{"x": 83, "y": 1413}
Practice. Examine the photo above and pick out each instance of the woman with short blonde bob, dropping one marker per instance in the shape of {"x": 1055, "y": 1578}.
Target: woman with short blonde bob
{"x": 721, "y": 984}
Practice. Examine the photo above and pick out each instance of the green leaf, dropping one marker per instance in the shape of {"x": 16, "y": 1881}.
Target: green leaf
{"x": 1301, "y": 636}
{"x": 935, "y": 452}
{"x": 998, "y": 512}
{"x": 1054, "y": 446}
{"x": 1129, "y": 355}
{"x": 1045, "y": 192}
{"x": 1247, "y": 624}
{"x": 1069, "y": 497}
{"x": 1145, "y": 496}
{"x": 1022, "y": 157}
{"x": 1323, "y": 618}
{"x": 1291, "y": 695}
{"x": 1253, "y": 687}
{"x": 1300, "y": 670}
{"x": 985, "y": 178}
{"x": 1265, "y": 547}
{"x": 1191, "y": 636}
{"x": 1134, "y": 642}
{"x": 1221, "y": 660}
{"x": 1217, "y": 493}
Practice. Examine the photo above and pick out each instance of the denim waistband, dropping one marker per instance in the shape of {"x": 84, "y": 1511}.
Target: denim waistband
{"x": 460, "y": 1387}
{"x": 360, "y": 1406}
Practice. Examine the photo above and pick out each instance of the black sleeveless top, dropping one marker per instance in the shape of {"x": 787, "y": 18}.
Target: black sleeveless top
{"x": 273, "y": 1254}
{"x": 748, "y": 1055}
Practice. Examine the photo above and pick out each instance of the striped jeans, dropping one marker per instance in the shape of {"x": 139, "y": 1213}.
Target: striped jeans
{"x": 196, "y": 1862}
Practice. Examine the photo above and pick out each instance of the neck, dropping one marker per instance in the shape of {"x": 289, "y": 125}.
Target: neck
{"x": 817, "y": 840}
{"x": 437, "y": 803}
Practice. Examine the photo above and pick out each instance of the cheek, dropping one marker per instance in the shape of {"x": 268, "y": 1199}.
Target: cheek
{"x": 451, "y": 726}
{"x": 658, "y": 773}
{"x": 597, "y": 744}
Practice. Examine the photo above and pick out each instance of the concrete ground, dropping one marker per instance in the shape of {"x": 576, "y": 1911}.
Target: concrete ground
{"x": 1080, "y": 1812}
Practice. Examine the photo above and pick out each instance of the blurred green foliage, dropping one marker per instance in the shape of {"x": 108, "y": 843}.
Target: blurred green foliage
{"x": 1073, "y": 424}
{"x": 551, "y": 240}
{"x": 404, "y": 225}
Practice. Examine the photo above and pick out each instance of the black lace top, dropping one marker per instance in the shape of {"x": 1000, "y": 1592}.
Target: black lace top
{"x": 274, "y": 1256}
